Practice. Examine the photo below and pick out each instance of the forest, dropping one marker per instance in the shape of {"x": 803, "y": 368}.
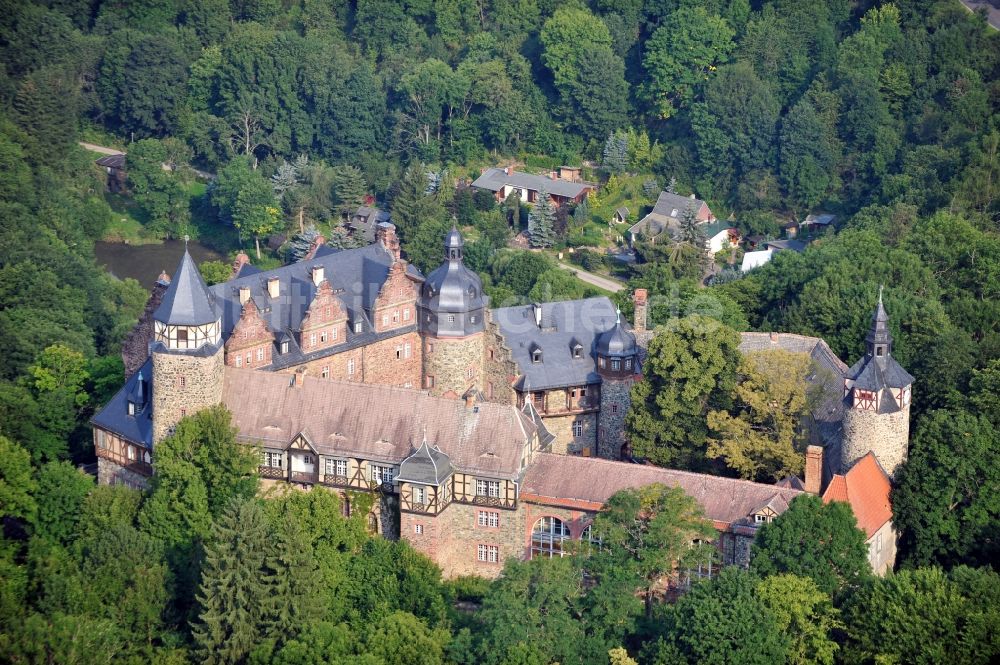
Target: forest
{"x": 884, "y": 114}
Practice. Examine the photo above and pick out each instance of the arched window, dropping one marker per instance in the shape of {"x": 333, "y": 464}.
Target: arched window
{"x": 588, "y": 537}
{"x": 547, "y": 537}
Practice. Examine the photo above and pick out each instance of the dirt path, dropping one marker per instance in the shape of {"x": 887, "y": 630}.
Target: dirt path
{"x": 600, "y": 282}
{"x": 100, "y": 148}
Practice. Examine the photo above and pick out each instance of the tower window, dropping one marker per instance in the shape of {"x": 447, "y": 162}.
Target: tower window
{"x": 577, "y": 428}
{"x": 182, "y": 335}
{"x": 350, "y": 367}
{"x": 615, "y": 364}
{"x": 628, "y": 363}
{"x": 878, "y": 351}
{"x": 451, "y": 318}
{"x": 182, "y": 382}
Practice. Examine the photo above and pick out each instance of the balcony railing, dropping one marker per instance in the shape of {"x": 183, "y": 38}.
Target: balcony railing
{"x": 304, "y": 477}
{"x": 271, "y": 472}
{"x": 336, "y": 481}
{"x": 489, "y": 501}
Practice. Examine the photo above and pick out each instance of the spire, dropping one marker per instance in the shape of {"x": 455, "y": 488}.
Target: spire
{"x": 187, "y": 301}
{"x": 618, "y": 316}
{"x": 453, "y": 244}
{"x": 879, "y": 339}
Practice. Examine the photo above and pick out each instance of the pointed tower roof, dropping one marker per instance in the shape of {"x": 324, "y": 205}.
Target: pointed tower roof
{"x": 879, "y": 331}
{"x": 187, "y": 301}
{"x": 877, "y": 369}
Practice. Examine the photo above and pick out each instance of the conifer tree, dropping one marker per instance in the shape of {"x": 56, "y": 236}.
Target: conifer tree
{"x": 690, "y": 233}
{"x": 301, "y": 243}
{"x": 616, "y": 153}
{"x": 295, "y": 583}
{"x": 234, "y": 588}
{"x": 541, "y": 222}
{"x": 348, "y": 189}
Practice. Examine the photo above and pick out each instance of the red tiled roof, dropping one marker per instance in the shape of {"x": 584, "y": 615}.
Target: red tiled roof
{"x": 866, "y": 487}
{"x": 587, "y": 483}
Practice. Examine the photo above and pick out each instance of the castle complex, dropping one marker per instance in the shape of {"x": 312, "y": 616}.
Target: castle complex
{"x": 485, "y": 433}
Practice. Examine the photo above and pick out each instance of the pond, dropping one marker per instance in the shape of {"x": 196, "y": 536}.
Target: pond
{"x": 144, "y": 262}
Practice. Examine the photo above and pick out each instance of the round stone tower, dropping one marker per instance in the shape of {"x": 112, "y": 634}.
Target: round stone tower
{"x": 451, "y": 313}
{"x": 617, "y": 362}
{"x": 877, "y": 392}
{"x": 186, "y": 349}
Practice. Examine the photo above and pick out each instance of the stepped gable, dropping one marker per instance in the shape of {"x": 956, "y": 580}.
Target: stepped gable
{"x": 587, "y": 483}
{"x": 554, "y": 328}
{"x": 867, "y": 488}
{"x": 375, "y": 422}
{"x": 355, "y": 275}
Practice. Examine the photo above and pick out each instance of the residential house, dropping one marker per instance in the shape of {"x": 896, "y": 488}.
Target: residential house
{"x": 563, "y": 186}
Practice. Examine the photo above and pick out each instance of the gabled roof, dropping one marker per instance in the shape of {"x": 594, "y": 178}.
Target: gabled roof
{"x": 755, "y": 259}
{"x": 562, "y": 322}
{"x": 187, "y": 301}
{"x": 494, "y": 179}
{"x": 866, "y": 488}
{"x": 590, "y": 482}
{"x": 114, "y": 417}
{"x": 116, "y": 161}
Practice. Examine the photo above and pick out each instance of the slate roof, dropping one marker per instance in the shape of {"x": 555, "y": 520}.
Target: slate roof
{"x": 819, "y": 220}
{"x": 665, "y": 215}
{"x": 494, "y": 179}
{"x": 563, "y": 324}
{"x": 792, "y": 244}
{"x": 617, "y": 342}
{"x": 114, "y": 416}
{"x": 112, "y": 161}
{"x": 451, "y": 288}
{"x": 878, "y": 373}
{"x": 426, "y": 465}
{"x": 356, "y": 276}
{"x": 364, "y": 220}
{"x": 867, "y": 488}
{"x": 187, "y": 301}
{"x": 593, "y": 481}
{"x": 375, "y": 422}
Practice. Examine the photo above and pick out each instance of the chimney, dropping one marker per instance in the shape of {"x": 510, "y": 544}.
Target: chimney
{"x": 814, "y": 469}
{"x": 272, "y": 287}
{"x": 470, "y": 399}
{"x": 553, "y": 175}
{"x": 692, "y": 197}
{"x": 639, "y": 300}
{"x": 300, "y": 376}
{"x": 164, "y": 278}
{"x": 537, "y": 310}
{"x": 244, "y": 294}
{"x": 385, "y": 234}
{"x": 241, "y": 260}
{"x": 317, "y": 275}
{"x": 318, "y": 242}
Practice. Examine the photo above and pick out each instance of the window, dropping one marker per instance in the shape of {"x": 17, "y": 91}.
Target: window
{"x": 399, "y": 352}
{"x": 284, "y": 347}
{"x": 184, "y": 413}
{"x": 406, "y": 314}
{"x": 333, "y": 334}
{"x": 615, "y": 364}
{"x": 759, "y": 519}
{"x": 577, "y": 428}
{"x": 350, "y": 367}
{"x": 385, "y": 320}
{"x": 470, "y": 372}
{"x": 547, "y": 537}
{"x": 182, "y": 335}
{"x": 429, "y": 382}
{"x": 312, "y": 339}
{"x": 326, "y": 312}
{"x": 588, "y": 536}
{"x": 395, "y": 316}
{"x": 130, "y": 451}
{"x": 249, "y": 359}
{"x": 614, "y": 408}
{"x": 372, "y": 523}
{"x": 488, "y": 553}
{"x": 260, "y": 355}
{"x": 239, "y": 361}
{"x": 322, "y": 337}
{"x": 382, "y": 474}
{"x": 430, "y": 347}
{"x": 418, "y": 495}
{"x": 307, "y": 459}
{"x": 628, "y": 363}
{"x": 489, "y": 390}
{"x": 182, "y": 382}
{"x": 451, "y": 318}
{"x": 358, "y": 327}
{"x": 418, "y": 529}
{"x": 878, "y": 543}
{"x": 491, "y": 353}
{"x": 600, "y": 362}
{"x": 325, "y": 372}
{"x": 490, "y": 488}
{"x": 577, "y": 351}
{"x": 131, "y": 408}
{"x": 472, "y": 319}
{"x": 407, "y": 350}
{"x": 536, "y": 356}
{"x": 336, "y": 467}
{"x": 878, "y": 351}
{"x": 271, "y": 459}
{"x": 488, "y": 518}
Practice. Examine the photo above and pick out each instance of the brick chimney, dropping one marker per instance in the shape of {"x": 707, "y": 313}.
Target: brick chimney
{"x": 385, "y": 235}
{"x": 300, "y": 377}
{"x": 318, "y": 242}
{"x": 640, "y": 301}
{"x": 241, "y": 260}
{"x": 814, "y": 469}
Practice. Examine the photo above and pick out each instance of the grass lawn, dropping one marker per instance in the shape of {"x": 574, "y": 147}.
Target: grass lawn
{"x": 128, "y": 222}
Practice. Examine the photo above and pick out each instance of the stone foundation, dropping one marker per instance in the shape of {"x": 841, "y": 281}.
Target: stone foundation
{"x": 109, "y": 473}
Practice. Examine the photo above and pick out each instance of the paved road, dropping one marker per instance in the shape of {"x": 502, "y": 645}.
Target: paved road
{"x": 100, "y": 148}
{"x": 111, "y": 151}
{"x": 600, "y": 282}
{"x": 992, "y": 13}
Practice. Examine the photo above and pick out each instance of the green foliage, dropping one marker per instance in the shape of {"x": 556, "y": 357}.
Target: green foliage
{"x": 924, "y": 616}
{"x": 690, "y": 368}
{"x": 61, "y": 493}
{"x": 17, "y": 484}
{"x": 815, "y": 540}
{"x": 805, "y": 615}
{"x": 159, "y": 190}
{"x": 215, "y": 272}
{"x": 946, "y": 503}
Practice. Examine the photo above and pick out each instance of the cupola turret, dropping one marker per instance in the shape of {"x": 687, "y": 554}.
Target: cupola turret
{"x": 617, "y": 362}
{"x": 451, "y": 300}
{"x": 616, "y": 350}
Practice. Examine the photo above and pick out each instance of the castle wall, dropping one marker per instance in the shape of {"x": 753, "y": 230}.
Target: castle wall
{"x": 183, "y": 385}
{"x": 455, "y": 364}
{"x": 882, "y": 549}
{"x": 499, "y": 369}
{"x": 110, "y": 473}
{"x": 885, "y": 434}
{"x": 384, "y": 363}
{"x": 562, "y": 428}
{"x": 615, "y": 401}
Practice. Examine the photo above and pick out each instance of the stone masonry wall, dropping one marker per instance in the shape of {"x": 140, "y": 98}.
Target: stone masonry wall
{"x": 562, "y": 428}
{"x": 452, "y": 538}
{"x": 615, "y": 401}
{"x": 886, "y": 434}
{"x": 183, "y": 385}
{"x": 499, "y": 370}
{"x": 375, "y": 363}
{"x": 109, "y": 473}
{"x": 449, "y": 360}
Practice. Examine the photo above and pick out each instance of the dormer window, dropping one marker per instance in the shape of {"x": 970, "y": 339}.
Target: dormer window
{"x": 131, "y": 408}
{"x": 879, "y": 351}
{"x": 577, "y": 351}
{"x": 358, "y": 327}
{"x": 284, "y": 347}
{"x": 536, "y": 354}
{"x": 615, "y": 364}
